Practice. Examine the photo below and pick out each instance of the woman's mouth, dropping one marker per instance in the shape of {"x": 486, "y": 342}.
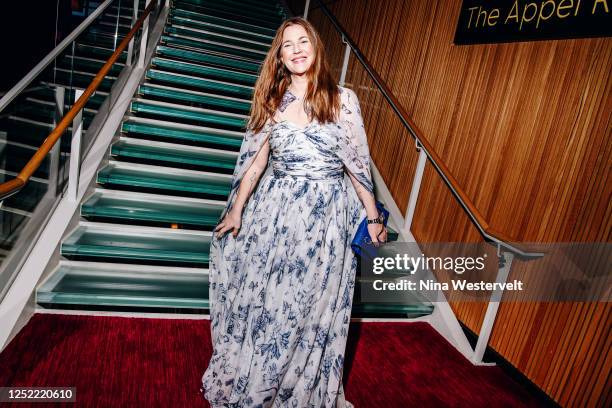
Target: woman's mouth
{"x": 298, "y": 60}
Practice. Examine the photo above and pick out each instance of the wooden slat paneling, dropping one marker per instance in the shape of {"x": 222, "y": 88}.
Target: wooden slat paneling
{"x": 526, "y": 130}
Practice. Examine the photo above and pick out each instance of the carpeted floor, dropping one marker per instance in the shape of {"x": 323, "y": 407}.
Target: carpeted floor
{"x": 140, "y": 362}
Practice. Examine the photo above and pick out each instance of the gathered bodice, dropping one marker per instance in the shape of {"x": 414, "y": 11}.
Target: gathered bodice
{"x": 304, "y": 151}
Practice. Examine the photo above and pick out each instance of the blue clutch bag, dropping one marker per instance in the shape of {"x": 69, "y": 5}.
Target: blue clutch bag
{"x": 362, "y": 244}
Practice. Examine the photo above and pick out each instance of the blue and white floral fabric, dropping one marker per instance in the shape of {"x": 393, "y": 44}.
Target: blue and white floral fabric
{"x": 281, "y": 291}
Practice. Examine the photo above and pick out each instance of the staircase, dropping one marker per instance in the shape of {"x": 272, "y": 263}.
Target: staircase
{"x": 142, "y": 242}
{"x": 29, "y": 119}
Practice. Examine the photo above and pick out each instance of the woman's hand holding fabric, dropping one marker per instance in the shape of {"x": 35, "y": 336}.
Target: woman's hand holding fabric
{"x": 231, "y": 221}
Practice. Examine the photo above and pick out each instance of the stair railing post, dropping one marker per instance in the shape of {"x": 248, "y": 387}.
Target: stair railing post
{"x": 345, "y": 61}
{"x": 131, "y": 45}
{"x": 306, "y": 7}
{"x": 416, "y": 188}
{"x": 117, "y": 25}
{"x": 505, "y": 264}
{"x": 54, "y": 154}
{"x": 144, "y": 38}
{"x": 75, "y": 151}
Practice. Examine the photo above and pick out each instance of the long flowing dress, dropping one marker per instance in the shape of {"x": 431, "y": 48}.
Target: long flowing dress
{"x": 281, "y": 290}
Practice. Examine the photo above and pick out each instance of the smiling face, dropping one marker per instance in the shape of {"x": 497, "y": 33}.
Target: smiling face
{"x": 296, "y": 50}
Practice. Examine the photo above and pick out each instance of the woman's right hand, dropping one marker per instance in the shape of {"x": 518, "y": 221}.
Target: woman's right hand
{"x": 231, "y": 221}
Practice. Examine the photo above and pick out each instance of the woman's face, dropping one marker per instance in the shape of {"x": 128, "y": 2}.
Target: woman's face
{"x": 296, "y": 49}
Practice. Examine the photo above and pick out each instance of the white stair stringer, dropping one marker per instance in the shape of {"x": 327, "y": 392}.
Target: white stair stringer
{"x": 442, "y": 319}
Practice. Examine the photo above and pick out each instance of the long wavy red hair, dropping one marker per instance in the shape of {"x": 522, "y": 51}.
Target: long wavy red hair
{"x": 322, "y": 95}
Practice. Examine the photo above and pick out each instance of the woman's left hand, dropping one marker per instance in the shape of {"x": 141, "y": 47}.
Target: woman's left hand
{"x": 378, "y": 233}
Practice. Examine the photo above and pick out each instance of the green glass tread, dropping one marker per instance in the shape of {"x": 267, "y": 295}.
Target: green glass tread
{"x": 80, "y": 80}
{"x": 185, "y": 134}
{"x": 204, "y": 71}
{"x": 210, "y": 100}
{"x": 218, "y": 29}
{"x": 217, "y": 10}
{"x": 121, "y": 287}
{"x": 203, "y": 58}
{"x": 160, "y": 152}
{"x": 118, "y": 242}
{"x": 88, "y": 65}
{"x": 223, "y": 39}
{"x": 178, "y": 112}
{"x": 15, "y": 157}
{"x": 98, "y": 52}
{"x": 204, "y": 46}
{"x": 133, "y": 208}
{"x": 179, "y": 181}
{"x": 200, "y": 83}
{"x": 234, "y": 23}
{"x": 272, "y": 7}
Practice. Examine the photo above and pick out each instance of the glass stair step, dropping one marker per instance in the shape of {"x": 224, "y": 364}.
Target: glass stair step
{"x": 210, "y": 9}
{"x": 165, "y": 178}
{"x": 108, "y": 29}
{"x": 29, "y": 132}
{"x": 41, "y": 110}
{"x": 92, "y": 283}
{"x": 88, "y": 64}
{"x": 174, "y": 132}
{"x": 79, "y": 79}
{"x": 9, "y": 236}
{"x": 199, "y": 115}
{"x": 220, "y": 29}
{"x": 106, "y": 40}
{"x": 220, "y": 48}
{"x": 168, "y": 154}
{"x": 125, "y": 9}
{"x": 208, "y": 59}
{"x": 226, "y": 39}
{"x": 252, "y": 7}
{"x": 206, "y": 100}
{"x": 27, "y": 198}
{"x": 125, "y": 205}
{"x": 123, "y": 25}
{"x": 110, "y": 17}
{"x": 224, "y": 22}
{"x": 211, "y": 85}
{"x": 15, "y": 156}
{"x": 203, "y": 71}
{"x": 391, "y": 310}
{"x": 121, "y": 242}
{"x": 98, "y": 52}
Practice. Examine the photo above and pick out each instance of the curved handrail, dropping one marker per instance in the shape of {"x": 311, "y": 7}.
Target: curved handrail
{"x": 466, "y": 203}
{"x": 10, "y": 187}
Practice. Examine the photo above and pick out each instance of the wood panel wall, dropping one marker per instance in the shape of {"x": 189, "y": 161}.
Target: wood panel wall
{"x": 526, "y": 130}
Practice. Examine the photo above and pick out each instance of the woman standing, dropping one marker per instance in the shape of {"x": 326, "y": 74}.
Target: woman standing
{"x": 282, "y": 282}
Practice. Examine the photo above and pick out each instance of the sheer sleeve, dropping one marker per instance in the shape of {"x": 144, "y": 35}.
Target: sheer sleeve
{"x": 251, "y": 143}
{"x": 353, "y": 142}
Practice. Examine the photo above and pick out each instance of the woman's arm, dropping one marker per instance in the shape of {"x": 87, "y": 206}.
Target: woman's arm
{"x": 232, "y": 219}
{"x": 366, "y": 198}
{"x": 378, "y": 232}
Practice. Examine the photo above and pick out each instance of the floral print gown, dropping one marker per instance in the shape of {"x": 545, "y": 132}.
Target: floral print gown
{"x": 281, "y": 291}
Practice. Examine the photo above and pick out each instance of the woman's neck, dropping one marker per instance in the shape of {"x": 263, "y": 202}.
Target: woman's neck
{"x": 299, "y": 85}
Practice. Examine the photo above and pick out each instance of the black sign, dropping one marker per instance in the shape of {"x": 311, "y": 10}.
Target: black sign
{"x": 494, "y": 21}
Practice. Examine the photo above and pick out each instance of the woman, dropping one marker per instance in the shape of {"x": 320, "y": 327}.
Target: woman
{"x": 281, "y": 284}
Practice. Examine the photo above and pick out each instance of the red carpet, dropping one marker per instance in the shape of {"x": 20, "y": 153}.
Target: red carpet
{"x": 116, "y": 362}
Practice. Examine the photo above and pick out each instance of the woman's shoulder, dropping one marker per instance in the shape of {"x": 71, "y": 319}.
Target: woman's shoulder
{"x": 346, "y": 93}
{"x": 348, "y": 99}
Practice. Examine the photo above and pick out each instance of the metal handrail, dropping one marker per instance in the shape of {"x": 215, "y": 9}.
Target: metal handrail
{"x": 8, "y": 188}
{"x": 466, "y": 203}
